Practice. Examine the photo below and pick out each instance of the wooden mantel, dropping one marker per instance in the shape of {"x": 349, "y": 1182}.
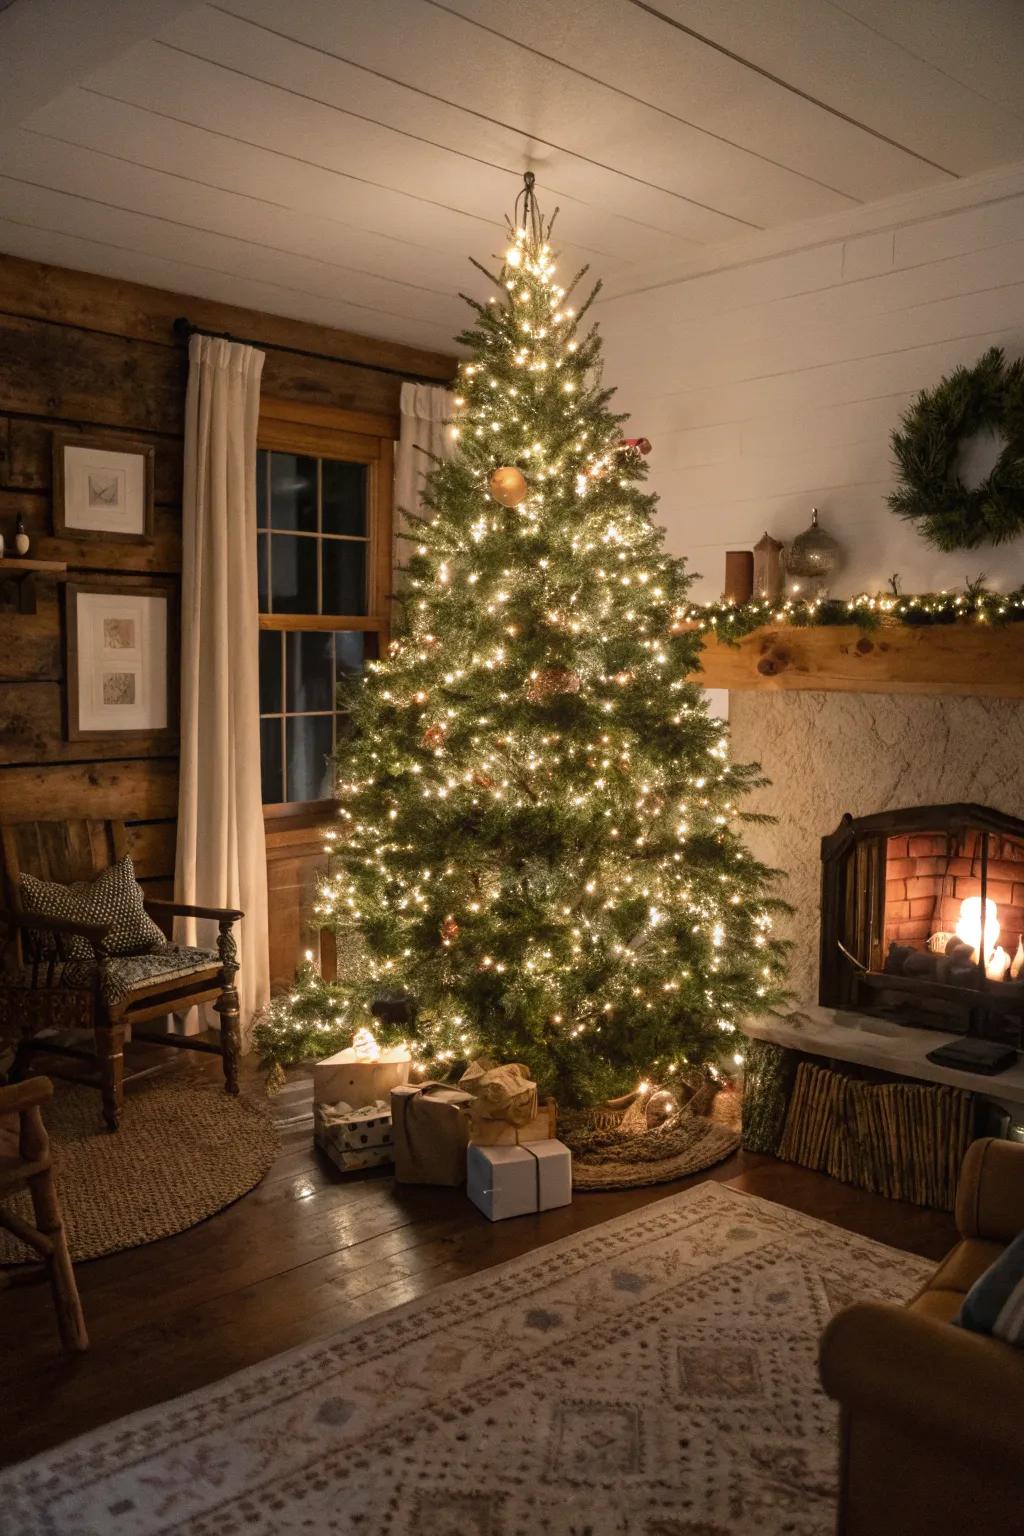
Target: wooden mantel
{"x": 954, "y": 658}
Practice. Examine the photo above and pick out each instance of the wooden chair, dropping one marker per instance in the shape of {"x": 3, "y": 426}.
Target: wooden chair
{"x": 25, "y": 1163}
{"x": 44, "y": 990}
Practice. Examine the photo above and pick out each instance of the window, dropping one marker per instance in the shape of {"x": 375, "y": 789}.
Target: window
{"x": 323, "y": 485}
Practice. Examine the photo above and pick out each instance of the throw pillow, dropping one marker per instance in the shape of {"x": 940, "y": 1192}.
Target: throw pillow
{"x": 995, "y": 1302}
{"x": 113, "y": 896}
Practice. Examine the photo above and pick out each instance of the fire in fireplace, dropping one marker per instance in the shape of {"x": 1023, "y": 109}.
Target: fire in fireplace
{"x": 922, "y": 919}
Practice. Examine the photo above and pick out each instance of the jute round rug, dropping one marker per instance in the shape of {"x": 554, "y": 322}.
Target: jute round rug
{"x": 184, "y": 1151}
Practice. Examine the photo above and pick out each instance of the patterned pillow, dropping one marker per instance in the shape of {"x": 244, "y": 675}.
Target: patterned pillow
{"x": 995, "y": 1302}
{"x": 113, "y": 896}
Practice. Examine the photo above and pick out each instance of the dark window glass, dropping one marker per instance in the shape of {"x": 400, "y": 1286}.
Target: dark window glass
{"x": 270, "y": 759}
{"x": 271, "y": 702}
{"x": 344, "y": 497}
{"x": 262, "y": 489}
{"x": 309, "y": 742}
{"x": 310, "y": 670}
{"x": 293, "y": 492}
{"x": 349, "y": 650}
{"x": 293, "y": 573}
{"x": 344, "y": 576}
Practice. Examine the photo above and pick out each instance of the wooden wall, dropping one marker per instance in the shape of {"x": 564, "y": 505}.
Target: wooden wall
{"x": 80, "y": 351}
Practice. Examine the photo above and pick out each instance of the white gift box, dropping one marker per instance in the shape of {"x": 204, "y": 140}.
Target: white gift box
{"x": 513, "y": 1181}
{"x": 353, "y": 1079}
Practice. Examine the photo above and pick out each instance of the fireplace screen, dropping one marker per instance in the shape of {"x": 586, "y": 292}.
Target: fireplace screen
{"x": 922, "y": 919}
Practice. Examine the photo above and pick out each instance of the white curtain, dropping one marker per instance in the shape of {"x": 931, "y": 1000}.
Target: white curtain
{"x": 424, "y": 408}
{"x": 221, "y": 859}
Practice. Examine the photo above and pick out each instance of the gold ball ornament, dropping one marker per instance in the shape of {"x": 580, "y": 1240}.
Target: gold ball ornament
{"x": 508, "y": 485}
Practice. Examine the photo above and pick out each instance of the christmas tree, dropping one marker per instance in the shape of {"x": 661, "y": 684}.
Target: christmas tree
{"x": 538, "y": 830}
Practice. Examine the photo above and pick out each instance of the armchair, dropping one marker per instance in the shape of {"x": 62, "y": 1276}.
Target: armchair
{"x": 930, "y": 1414}
{"x": 48, "y": 987}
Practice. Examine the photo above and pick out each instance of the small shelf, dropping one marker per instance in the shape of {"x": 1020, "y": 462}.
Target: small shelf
{"x": 21, "y": 572}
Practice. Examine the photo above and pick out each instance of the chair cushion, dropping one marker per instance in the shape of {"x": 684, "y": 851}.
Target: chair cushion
{"x": 995, "y": 1302}
{"x": 125, "y": 974}
{"x": 114, "y": 896}
{"x": 965, "y": 1264}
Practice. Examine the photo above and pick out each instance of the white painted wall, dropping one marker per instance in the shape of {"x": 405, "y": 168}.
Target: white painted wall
{"x": 771, "y": 383}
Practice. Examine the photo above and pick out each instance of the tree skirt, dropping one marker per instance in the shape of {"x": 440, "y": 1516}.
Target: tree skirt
{"x": 617, "y": 1151}
{"x": 657, "y": 1374}
{"x": 184, "y": 1151}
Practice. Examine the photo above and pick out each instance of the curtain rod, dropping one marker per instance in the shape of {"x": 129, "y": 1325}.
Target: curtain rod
{"x": 184, "y": 328}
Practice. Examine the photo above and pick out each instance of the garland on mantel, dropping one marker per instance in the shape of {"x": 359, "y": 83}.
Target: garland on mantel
{"x": 732, "y": 621}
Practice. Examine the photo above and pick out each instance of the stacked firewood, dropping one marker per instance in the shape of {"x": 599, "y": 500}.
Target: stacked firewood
{"x": 904, "y": 1140}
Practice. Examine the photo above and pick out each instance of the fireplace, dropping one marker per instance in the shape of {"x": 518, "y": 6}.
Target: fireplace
{"x": 922, "y": 919}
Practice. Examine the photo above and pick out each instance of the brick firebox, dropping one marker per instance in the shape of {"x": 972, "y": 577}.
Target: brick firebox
{"x": 928, "y": 875}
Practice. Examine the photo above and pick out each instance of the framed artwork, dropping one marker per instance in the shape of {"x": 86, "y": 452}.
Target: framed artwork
{"x": 102, "y": 487}
{"x": 121, "y": 659}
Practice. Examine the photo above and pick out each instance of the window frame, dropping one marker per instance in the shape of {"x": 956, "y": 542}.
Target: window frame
{"x": 358, "y": 437}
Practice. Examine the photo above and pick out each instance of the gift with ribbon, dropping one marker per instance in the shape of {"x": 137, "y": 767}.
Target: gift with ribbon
{"x": 431, "y": 1131}
{"x": 507, "y": 1181}
{"x": 504, "y": 1110}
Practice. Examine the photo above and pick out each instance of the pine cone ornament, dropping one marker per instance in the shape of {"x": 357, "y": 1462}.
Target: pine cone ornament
{"x": 483, "y": 780}
{"x": 449, "y": 930}
{"x": 433, "y": 737}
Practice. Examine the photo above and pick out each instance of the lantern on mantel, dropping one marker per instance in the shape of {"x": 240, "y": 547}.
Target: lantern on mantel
{"x": 811, "y": 561}
{"x": 768, "y": 573}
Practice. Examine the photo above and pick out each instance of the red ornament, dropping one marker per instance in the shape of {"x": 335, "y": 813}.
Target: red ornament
{"x": 641, "y": 446}
{"x": 483, "y": 780}
{"x": 449, "y": 930}
{"x": 433, "y": 737}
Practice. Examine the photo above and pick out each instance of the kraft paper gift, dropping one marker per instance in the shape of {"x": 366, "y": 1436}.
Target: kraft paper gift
{"x": 431, "y": 1131}
{"x": 351, "y": 1078}
{"x": 504, "y": 1094}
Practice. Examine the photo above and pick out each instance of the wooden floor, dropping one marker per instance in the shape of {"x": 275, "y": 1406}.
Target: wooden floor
{"x": 307, "y": 1253}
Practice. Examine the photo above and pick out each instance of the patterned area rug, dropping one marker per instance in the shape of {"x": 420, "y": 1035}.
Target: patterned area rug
{"x": 654, "y": 1376}
{"x": 184, "y": 1150}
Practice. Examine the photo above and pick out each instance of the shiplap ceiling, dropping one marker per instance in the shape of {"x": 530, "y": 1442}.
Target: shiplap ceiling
{"x": 336, "y": 160}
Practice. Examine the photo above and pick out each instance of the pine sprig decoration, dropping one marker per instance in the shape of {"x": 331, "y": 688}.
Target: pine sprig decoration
{"x": 927, "y": 445}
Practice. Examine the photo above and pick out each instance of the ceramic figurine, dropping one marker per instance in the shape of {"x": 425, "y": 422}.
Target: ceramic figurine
{"x": 21, "y": 538}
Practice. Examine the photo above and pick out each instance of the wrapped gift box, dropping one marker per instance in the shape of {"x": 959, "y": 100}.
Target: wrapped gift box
{"x": 431, "y": 1132}
{"x": 351, "y": 1078}
{"x": 352, "y": 1162}
{"x": 499, "y": 1133}
{"x": 352, "y": 1130}
{"x": 513, "y": 1181}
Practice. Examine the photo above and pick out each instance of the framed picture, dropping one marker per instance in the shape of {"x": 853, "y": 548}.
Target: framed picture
{"x": 121, "y": 659}
{"x": 102, "y": 487}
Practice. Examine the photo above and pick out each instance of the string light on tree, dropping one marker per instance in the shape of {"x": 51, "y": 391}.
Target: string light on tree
{"x": 538, "y": 836}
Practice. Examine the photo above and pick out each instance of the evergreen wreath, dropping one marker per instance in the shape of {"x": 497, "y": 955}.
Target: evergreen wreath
{"x": 927, "y": 445}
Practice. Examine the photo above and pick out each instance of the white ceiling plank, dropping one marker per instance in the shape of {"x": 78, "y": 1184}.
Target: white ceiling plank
{"x": 60, "y": 248}
{"x": 980, "y": 43}
{"x": 587, "y": 140}
{"x": 367, "y": 154}
{"x": 831, "y": 56}
{"x": 634, "y": 52}
{"x": 157, "y": 235}
{"x": 50, "y": 45}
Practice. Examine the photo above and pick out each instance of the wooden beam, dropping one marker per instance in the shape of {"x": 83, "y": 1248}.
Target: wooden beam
{"x": 946, "y": 658}
{"x": 92, "y": 302}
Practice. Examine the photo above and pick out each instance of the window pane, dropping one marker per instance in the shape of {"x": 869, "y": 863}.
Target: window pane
{"x": 270, "y": 673}
{"x": 344, "y": 577}
{"x": 310, "y": 670}
{"x": 263, "y": 571}
{"x": 349, "y": 650}
{"x": 344, "y": 497}
{"x": 262, "y": 490}
{"x": 293, "y": 491}
{"x": 293, "y": 573}
{"x": 309, "y": 745}
{"x": 270, "y": 759}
